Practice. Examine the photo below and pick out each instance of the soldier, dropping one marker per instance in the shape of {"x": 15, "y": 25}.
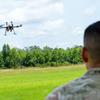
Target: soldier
{"x": 88, "y": 86}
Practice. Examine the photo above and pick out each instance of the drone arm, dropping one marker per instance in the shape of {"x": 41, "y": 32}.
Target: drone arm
{"x": 3, "y": 27}
{"x": 17, "y": 26}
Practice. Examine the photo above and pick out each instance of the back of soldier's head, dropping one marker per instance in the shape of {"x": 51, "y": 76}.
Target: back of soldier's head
{"x": 92, "y": 41}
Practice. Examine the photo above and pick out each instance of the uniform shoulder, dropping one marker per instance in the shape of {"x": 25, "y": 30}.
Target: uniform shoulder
{"x": 78, "y": 86}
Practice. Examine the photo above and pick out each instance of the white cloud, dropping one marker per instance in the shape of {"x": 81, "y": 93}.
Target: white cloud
{"x": 47, "y": 27}
{"x": 90, "y": 11}
{"x": 77, "y": 30}
{"x": 53, "y": 24}
{"x": 32, "y": 10}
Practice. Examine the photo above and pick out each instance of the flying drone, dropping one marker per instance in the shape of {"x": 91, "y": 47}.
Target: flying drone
{"x": 10, "y": 27}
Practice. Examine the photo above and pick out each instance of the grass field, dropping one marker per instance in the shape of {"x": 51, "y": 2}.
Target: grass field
{"x": 35, "y": 83}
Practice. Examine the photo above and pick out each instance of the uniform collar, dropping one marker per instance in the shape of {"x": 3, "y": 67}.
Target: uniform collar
{"x": 93, "y": 71}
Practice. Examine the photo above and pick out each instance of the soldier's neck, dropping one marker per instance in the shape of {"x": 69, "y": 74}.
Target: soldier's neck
{"x": 91, "y": 66}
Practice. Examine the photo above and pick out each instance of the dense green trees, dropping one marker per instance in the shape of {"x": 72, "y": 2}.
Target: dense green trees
{"x": 35, "y": 56}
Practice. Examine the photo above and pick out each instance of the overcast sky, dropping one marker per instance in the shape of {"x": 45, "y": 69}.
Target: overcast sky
{"x": 55, "y": 23}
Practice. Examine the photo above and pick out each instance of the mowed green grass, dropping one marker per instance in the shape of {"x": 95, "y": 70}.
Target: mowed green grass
{"x": 35, "y": 83}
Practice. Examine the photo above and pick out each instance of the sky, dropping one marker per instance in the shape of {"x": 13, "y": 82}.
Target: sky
{"x": 53, "y": 23}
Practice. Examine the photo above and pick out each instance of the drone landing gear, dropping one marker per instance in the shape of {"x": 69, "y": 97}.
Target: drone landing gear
{"x": 14, "y": 32}
{"x": 5, "y": 33}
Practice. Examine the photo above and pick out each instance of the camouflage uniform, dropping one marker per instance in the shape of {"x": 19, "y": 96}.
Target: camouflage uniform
{"x": 84, "y": 88}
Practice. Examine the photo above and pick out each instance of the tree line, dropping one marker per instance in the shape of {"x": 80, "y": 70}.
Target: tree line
{"x": 36, "y": 56}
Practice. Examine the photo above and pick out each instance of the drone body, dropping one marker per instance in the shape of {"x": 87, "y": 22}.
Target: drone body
{"x": 9, "y": 27}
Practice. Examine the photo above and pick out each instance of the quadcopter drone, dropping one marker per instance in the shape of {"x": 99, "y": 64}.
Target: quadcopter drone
{"x": 9, "y": 27}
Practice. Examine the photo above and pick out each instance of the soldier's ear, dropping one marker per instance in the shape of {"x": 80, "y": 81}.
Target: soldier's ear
{"x": 85, "y": 54}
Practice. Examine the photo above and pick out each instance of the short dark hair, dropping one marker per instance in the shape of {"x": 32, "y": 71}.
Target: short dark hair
{"x": 92, "y": 40}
